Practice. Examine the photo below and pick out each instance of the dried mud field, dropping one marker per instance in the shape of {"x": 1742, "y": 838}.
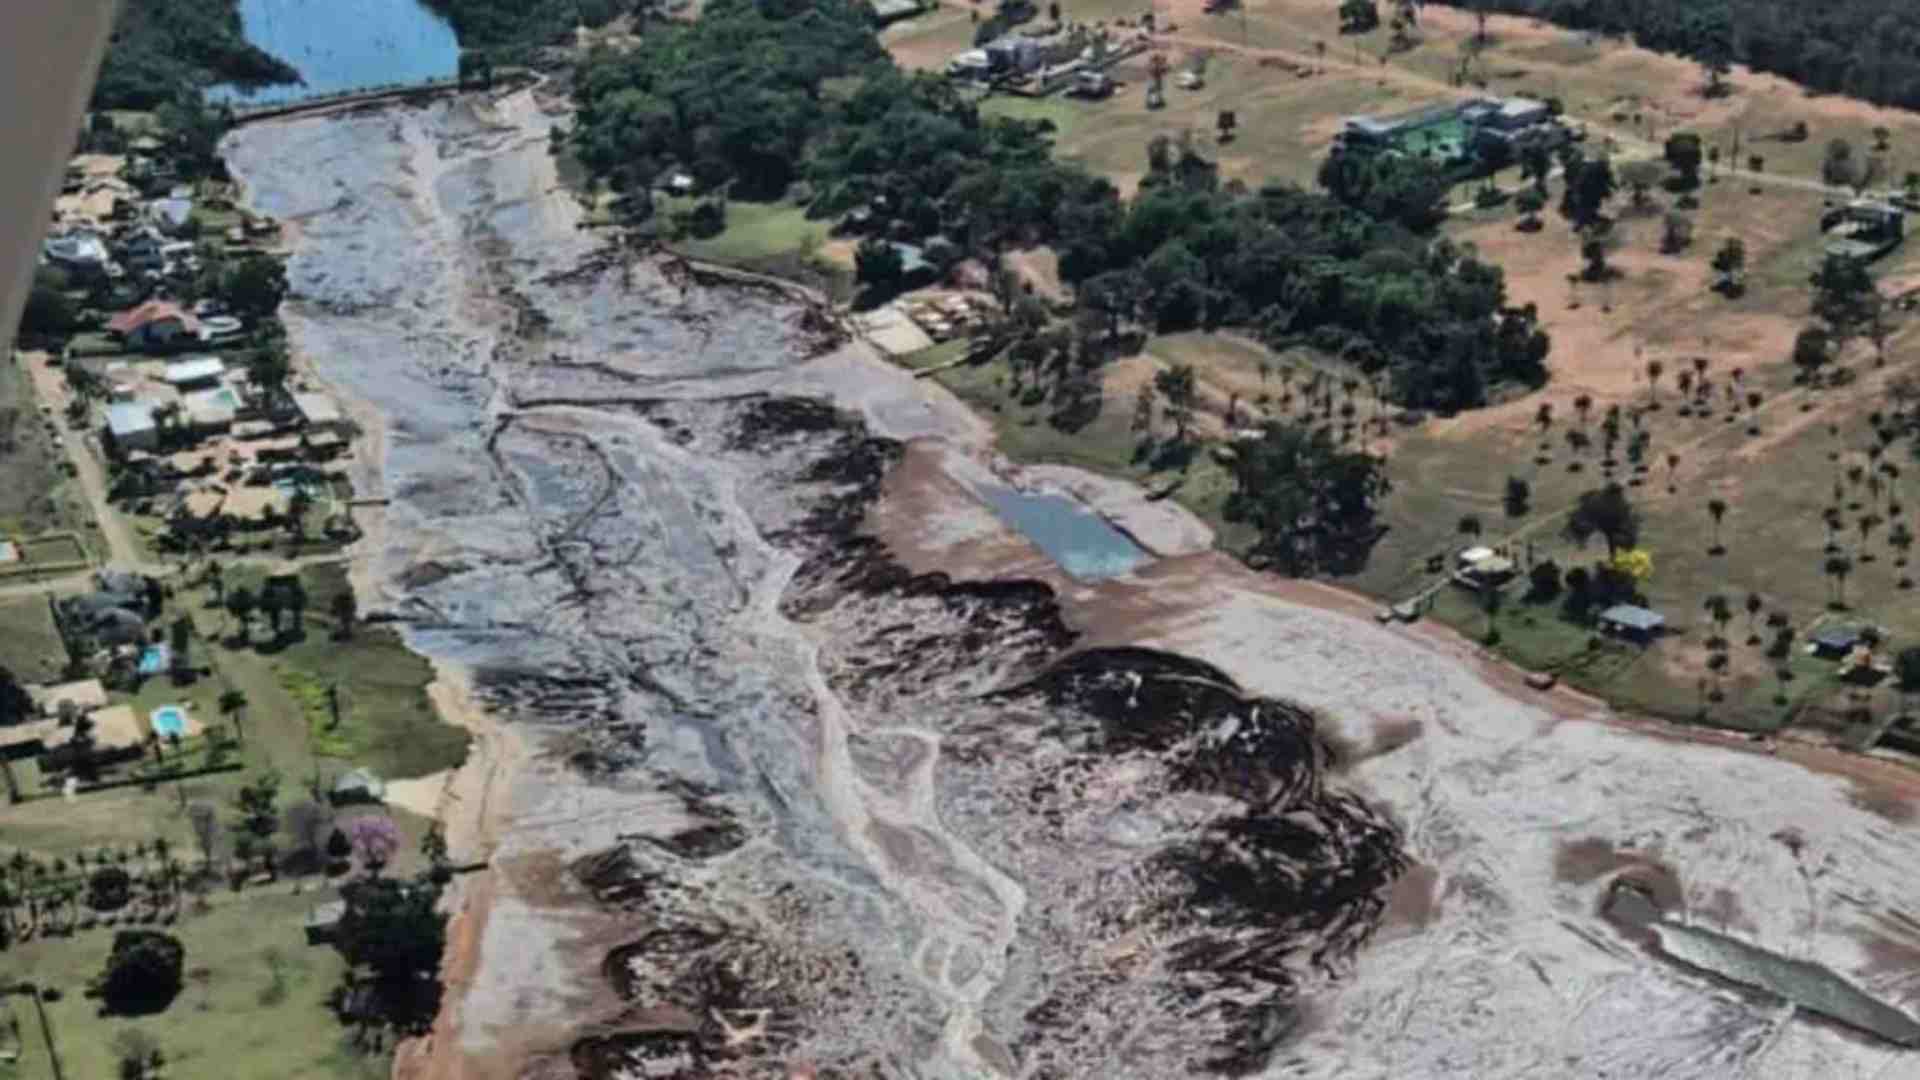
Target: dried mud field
{"x": 829, "y": 774}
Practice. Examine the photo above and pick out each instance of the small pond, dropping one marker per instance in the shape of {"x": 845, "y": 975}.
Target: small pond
{"x": 339, "y": 45}
{"x": 1079, "y": 540}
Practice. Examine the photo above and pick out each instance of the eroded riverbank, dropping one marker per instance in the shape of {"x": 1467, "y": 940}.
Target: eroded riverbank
{"x": 834, "y": 769}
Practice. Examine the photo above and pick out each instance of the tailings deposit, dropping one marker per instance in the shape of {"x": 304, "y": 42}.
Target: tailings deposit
{"x": 796, "y": 804}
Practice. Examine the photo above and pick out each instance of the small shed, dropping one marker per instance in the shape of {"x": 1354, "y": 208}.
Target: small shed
{"x": 323, "y": 922}
{"x": 1632, "y": 621}
{"x": 1835, "y": 641}
{"x": 358, "y": 786}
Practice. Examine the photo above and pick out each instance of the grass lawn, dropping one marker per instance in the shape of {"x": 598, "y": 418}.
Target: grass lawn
{"x": 31, "y": 647}
{"x": 243, "y": 1021}
{"x": 35, "y": 496}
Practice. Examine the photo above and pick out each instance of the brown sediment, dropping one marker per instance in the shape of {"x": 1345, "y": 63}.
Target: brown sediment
{"x": 1577, "y": 862}
{"x": 1414, "y": 902}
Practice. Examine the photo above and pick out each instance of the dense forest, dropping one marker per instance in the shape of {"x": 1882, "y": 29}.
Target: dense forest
{"x": 163, "y": 49}
{"x": 821, "y": 114}
{"x": 1864, "y": 48}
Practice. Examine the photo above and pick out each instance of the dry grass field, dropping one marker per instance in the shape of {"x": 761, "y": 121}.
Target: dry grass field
{"x": 1775, "y": 466}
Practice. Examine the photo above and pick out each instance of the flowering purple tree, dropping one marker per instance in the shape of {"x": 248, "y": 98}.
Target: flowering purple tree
{"x": 375, "y": 838}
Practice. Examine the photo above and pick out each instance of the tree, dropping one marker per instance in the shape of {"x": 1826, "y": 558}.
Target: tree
{"x": 142, "y": 973}
{"x": 48, "y": 311}
{"x": 1640, "y": 176}
{"x": 1543, "y": 581}
{"x": 1901, "y": 538}
{"x": 138, "y": 1053}
{"x": 259, "y": 818}
{"x": 392, "y": 928}
{"x": 1536, "y": 164}
{"x": 1469, "y": 526}
{"x": 1718, "y": 509}
{"x": 375, "y": 838}
{"x": 1810, "y": 351}
{"x": 1359, "y": 16}
{"x": 345, "y": 610}
{"x": 1906, "y": 669}
{"x": 1594, "y": 250}
{"x": 1176, "y": 384}
{"x": 1655, "y": 369}
{"x": 1677, "y": 234}
{"x": 1837, "y": 568}
{"x": 253, "y": 286}
{"x": 1839, "y": 168}
{"x": 109, "y": 888}
{"x": 1843, "y": 296}
{"x": 1607, "y": 512}
{"x": 339, "y": 848}
{"x": 206, "y": 829}
{"x": 1590, "y": 183}
{"x": 879, "y": 265}
{"x": 1712, "y": 33}
{"x": 1683, "y": 153}
{"x": 241, "y": 603}
{"x": 233, "y": 704}
{"x": 1518, "y": 495}
{"x": 1225, "y": 123}
{"x": 1719, "y": 611}
{"x": 1730, "y": 262}
{"x": 1529, "y": 202}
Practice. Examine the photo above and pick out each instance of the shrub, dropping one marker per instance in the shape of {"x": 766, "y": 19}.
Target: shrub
{"x": 109, "y": 889}
{"x": 142, "y": 973}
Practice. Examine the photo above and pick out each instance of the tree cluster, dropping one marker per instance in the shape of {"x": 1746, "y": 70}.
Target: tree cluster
{"x": 1312, "y": 501}
{"x": 163, "y": 50}
{"x": 1863, "y": 48}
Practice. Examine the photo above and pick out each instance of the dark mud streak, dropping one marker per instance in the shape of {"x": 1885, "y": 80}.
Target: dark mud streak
{"x": 1293, "y": 882}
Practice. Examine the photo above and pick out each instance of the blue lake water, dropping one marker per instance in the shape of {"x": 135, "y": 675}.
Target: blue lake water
{"x": 1079, "y": 540}
{"x": 341, "y": 45}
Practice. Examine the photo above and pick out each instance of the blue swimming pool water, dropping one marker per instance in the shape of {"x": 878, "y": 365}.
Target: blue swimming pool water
{"x": 1079, "y": 540}
{"x": 154, "y": 659}
{"x": 339, "y": 45}
{"x": 169, "y": 721}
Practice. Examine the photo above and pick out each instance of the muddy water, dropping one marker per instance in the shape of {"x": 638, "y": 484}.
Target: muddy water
{"x": 820, "y": 811}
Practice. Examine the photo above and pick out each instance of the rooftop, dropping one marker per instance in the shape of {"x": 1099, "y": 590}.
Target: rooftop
{"x": 196, "y": 369}
{"x": 317, "y": 408}
{"x": 126, "y": 418}
{"x": 152, "y": 311}
{"x": 1633, "y": 617}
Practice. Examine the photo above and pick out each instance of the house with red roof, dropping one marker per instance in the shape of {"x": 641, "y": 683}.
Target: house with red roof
{"x": 156, "y": 324}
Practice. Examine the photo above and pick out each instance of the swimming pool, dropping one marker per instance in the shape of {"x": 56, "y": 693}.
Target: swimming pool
{"x": 153, "y": 660}
{"x": 169, "y": 722}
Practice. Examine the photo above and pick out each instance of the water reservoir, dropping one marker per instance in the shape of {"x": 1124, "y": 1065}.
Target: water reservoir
{"x": 1079, "y": 540}
{"x": 340, "y": 45}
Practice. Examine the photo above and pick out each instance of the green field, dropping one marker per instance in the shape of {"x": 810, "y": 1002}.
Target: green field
{"x": 30, "y": 647}
{"x": 240, "y": 1020}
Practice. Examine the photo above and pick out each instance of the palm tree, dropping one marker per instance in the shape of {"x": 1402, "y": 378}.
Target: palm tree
{"x": 1718, "y": 508}
{"x": 1901, "y": 538}
{"x": 1544, "y": 416}
{"x": 1654, "y": 370}
{"x": 241, "y": 603}
{"x": 1584, "y": 406}
{"x": 1838, "y": 567}
{"x": 1754, "y": 604}
{"x": 1685, "y": 381}
{"x": 233, "y": 704}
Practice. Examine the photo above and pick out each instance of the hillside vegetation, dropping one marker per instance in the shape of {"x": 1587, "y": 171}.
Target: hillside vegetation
{"x": 1366, "y": 282}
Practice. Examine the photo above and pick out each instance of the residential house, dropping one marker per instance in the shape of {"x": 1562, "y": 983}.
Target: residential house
{"x": 80, "y": 251}
{"x": 104, "y": 618}
{"x": 323, "y": 922}
{"x": 318, "y": 412}
{"x": 141, "y": 247}
{"x": 1835, "y": 642}
{"x": 358, "y": 786}
{"x": 131, "y": 425}
{"x": 156, "y": 324}
{"x": 170, "y": 214}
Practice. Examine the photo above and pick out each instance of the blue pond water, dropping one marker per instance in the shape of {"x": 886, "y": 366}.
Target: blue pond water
{"x": 1079, "y": 540}
{"x": 341, "y": 45}
{"x": 169, "y": 721}
{"x": 153, "y": 660}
